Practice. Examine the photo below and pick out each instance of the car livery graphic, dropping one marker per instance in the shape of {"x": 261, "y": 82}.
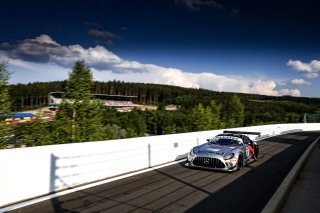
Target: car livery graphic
{"x": 225, "y": 152}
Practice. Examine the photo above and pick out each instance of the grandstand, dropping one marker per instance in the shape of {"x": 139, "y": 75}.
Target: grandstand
{"x": 120, "y": 102}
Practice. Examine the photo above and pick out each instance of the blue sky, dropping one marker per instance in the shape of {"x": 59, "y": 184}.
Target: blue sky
{"x": 261, "y": 47}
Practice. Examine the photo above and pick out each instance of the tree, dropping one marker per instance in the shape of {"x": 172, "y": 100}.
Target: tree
{"x": 215, "y": 109}
{"x": 34, "y": 133}
{"x": 5, "y": 105}
{"x": 136, "y": 123}
{"x": 234, "y": 112}
{"x": 202, "y": 118}
{"x": 79, "y": 84}
{"x": 80, "y": 116}
{"x": 151, "y": 122}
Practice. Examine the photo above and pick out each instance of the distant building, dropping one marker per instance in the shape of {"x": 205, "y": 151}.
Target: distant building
{"x": 20, "y": 117}
{"x": 171, "y": 107}
{"x": 121, "y": 102}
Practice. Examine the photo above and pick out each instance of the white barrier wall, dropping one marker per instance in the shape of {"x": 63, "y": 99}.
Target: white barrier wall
{"x": 34, "y": 171}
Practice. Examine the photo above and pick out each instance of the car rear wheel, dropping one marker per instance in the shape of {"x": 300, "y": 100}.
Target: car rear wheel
{"x": 256, "y": 152}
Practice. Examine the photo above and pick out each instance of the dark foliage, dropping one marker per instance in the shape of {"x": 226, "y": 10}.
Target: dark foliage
{"x": 195, "y": 106}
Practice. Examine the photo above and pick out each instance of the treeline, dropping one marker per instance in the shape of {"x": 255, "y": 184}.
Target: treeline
{"x": 88, "y": 120}
{"x": 161, "y": 121}
{"x": 258, "y": 109}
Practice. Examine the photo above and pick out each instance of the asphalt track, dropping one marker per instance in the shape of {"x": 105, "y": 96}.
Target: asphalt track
{"x": 179, "y": 189}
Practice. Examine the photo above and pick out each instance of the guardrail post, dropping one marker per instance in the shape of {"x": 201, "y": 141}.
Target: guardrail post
{"x": 149, "y": 155}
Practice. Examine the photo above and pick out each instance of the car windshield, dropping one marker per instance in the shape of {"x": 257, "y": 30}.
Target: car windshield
{"x": 226, "y": 140}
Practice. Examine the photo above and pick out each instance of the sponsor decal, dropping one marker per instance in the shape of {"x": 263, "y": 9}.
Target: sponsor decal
{"x": 209, "y": 152}
{"x": 227, "y": 137}
{"x": 247, "y": 151}
{"x": 206, "y": 161}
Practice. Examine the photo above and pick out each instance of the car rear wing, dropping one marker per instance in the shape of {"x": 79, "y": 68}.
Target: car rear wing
{"x": 242, "y": 133}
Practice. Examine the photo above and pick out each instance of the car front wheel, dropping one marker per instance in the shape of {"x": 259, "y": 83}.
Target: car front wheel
{"x": 240, "y": 162}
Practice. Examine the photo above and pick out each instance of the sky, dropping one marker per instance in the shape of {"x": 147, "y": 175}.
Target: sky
{"x": 261, "y": 47}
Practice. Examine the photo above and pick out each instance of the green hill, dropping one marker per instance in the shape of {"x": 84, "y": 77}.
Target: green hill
{"x": 258, "y": 108}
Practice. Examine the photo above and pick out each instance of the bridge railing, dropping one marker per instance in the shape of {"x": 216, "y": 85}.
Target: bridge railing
{"x": 34, "y": 171}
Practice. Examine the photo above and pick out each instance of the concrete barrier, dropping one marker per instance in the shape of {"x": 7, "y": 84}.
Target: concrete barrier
{"x": 30, "y": 172}
{"x": 279, "y": 198}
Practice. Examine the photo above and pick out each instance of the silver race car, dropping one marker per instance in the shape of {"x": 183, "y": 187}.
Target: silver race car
{"x": 226, "y": 152}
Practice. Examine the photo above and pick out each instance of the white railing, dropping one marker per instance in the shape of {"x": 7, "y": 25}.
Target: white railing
{"x": 34, "y": 171}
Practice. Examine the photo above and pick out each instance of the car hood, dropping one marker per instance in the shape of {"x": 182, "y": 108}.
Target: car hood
{"x": 209, "y": 149}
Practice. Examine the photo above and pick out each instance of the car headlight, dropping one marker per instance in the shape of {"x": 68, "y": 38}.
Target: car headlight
{"x": 192, "y": 153}
{"x": 229, "y": 156}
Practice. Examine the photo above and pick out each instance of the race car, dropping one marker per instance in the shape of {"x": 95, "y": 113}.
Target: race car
{"x": 225, "y": 152}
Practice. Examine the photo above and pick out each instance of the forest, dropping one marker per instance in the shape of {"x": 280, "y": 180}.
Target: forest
{"x": 197, "y": 110}
{"x": 258, "y": 109}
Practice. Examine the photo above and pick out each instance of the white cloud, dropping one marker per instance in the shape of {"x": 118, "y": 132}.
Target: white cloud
{"x": 196, "y": 5}
{"x": 44, "y": 39}
{"x": 312, "y": 75}
{"x": 300, "y": 82}
{"x": 294, "y": 92}
{"x": 100, "y": 34}
{"x": 282, "y": 83}
{"x": 308, "y": 69}
{"x": 27, "y": 71}
{"x": 46, "y": 60}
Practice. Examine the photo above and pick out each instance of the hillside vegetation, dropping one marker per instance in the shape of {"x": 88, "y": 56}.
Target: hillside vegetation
{"x": 258, "y": 109}
{"x": 196, "y": 110}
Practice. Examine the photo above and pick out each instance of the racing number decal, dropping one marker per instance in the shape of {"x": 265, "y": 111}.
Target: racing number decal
{"x": 247, "y": 151}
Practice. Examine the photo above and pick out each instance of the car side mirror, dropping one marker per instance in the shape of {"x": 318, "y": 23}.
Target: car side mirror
{"x": 208, "y": 140}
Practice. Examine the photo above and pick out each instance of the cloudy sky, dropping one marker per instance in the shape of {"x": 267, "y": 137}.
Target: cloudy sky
{"x": 262, "y": 47}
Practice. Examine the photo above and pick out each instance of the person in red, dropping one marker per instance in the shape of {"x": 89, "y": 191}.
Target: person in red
{"x": 253, "y": 150}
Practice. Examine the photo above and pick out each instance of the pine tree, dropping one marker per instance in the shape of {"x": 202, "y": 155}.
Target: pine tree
{"x": 234, "y": 112}
{"x": 5, "y": 105}
{"x": 80, "y": 116}
{"x": 202, "y": 118}
{"x": 35, "y": 133}
{"x": 216, "y": 122}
